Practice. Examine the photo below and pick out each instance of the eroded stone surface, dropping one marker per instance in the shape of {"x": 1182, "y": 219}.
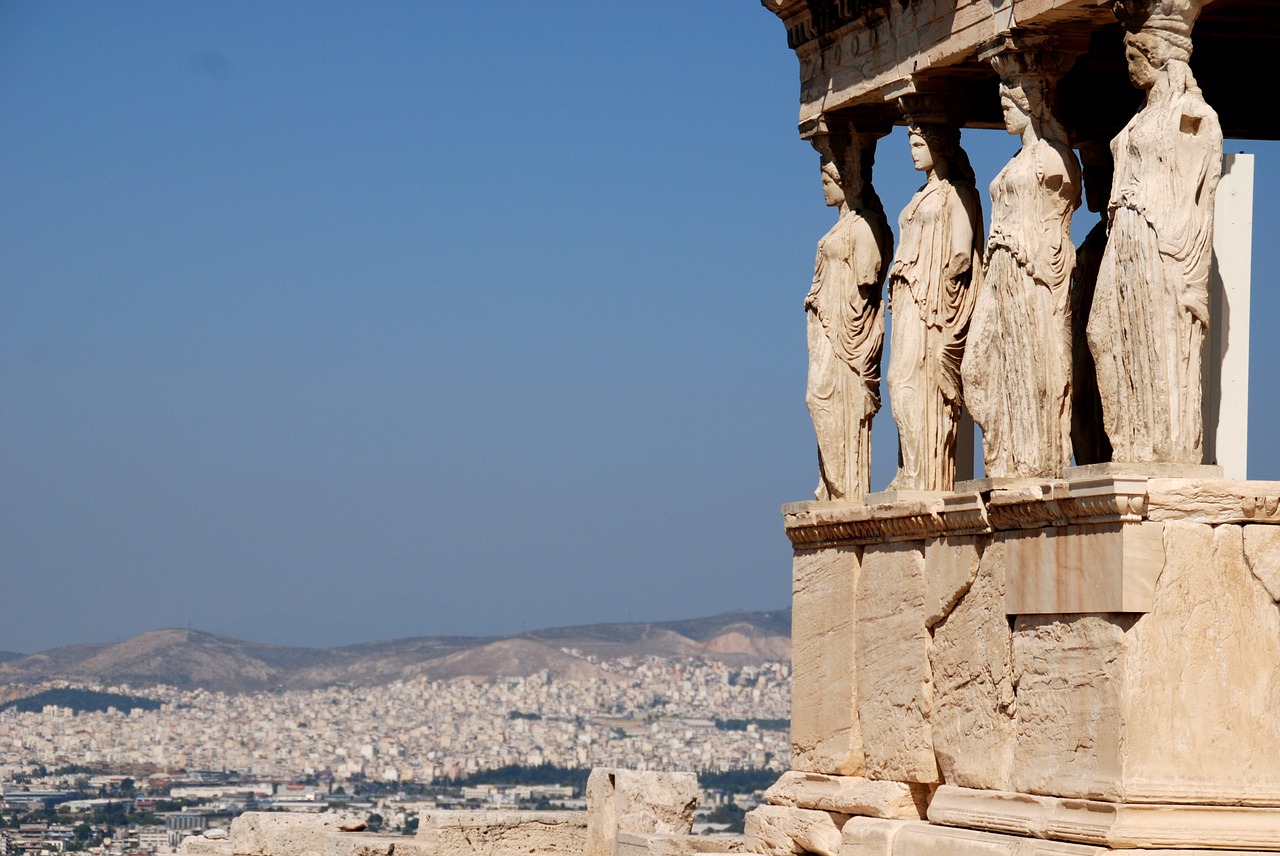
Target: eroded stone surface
{"x": 851, "y": 795}
{"x": 257, "y": 833}
{"x": 895, "y": 690}
{"x": 198, "y": 845}
{"x": 637, "y": 801}
{"x": 865, "y": 836}
{"x": 1262, "y": 553}
{"x": 973, "y": 704}
{"x": 921, "y": 839}
{"x": 1068, "y": 672}
{"x": 783, "y": 831}
{"x": 658, "y": 844}
{"x": 1213, "y": 501}
{"x": 825, "y": 737}
{"x": 1202, "y": 695}
{"x": 501, "y": 833}
{"x": 361, "y": 844}
{"x": 950, "y": 567}
{"x": 1118, "y": 825}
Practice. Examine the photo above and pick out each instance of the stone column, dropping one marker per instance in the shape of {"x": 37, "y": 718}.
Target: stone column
{"x": 844, "y": 312}
{"x": 932, "y": 284}
{"x": 1017, "y": 368}
{"x": 1151, "y": 307}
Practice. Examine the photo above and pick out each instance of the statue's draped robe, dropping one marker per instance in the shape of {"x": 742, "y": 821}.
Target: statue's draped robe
{"x": 1151, "y": 306}
{"x": 1017, "y": 367}
{"x": 846, "y": 338}
{"x": 931, "y": 300}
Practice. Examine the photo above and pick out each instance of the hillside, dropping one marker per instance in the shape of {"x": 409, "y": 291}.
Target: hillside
{"x": 190, "y": 659}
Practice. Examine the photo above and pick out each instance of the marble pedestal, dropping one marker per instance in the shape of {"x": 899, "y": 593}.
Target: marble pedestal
{"x": 1093, "y": 661}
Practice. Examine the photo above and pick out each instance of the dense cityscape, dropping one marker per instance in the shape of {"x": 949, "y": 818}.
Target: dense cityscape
{"x": 117, "y": 781}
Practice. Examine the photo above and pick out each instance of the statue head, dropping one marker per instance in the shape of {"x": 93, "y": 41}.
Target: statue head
{"x": 1028, "y": 91}
{"x": 1147, "y": 56}
{"x": 841, "y": 167}
{"x": 936, "y": 148}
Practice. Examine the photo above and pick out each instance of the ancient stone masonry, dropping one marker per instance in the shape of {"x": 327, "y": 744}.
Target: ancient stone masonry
{"x": 1054, "y": 659}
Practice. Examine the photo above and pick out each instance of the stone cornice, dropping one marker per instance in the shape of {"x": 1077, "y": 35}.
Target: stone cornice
{"x": 1048, "y": 504}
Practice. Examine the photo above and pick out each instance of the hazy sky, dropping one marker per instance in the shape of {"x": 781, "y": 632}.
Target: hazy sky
{"x": 327, "y": 322}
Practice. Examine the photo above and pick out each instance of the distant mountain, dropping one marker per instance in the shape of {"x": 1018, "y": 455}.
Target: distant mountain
{"x": 191, "y": 659}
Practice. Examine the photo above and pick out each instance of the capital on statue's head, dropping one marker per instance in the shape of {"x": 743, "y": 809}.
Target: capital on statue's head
{"x": 1170, "y": 20}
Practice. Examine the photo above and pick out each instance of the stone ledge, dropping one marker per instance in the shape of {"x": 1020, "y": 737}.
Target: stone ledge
{"x": 500, "y": 833}
{"x": 1005, "y": 507}
{"x": 1117, "y": 825}
{"x": 853, "y": 795}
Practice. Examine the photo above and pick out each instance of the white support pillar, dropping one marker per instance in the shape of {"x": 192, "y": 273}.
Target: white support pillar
{"x": 1226, "y": 359}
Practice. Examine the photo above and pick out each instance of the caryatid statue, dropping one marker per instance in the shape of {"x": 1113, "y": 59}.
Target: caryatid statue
{"x": 1151, "y": 305}
{"x": 845, "y": 318}
{"x": 933, "y": 280}
{"x": 1017, "y": 366}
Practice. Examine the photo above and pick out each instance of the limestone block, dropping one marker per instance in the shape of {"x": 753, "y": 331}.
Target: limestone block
{"x": 501, "y": 833}
{"x": 662, "y": 844}
{"x": 1202, "y": 694}
{"x": 1213, "y": 501}
{"x": 361, "y": 844}
{"x": 258, "y": 833}
{"x": 1119, "y": 825}
{"x": 777, "y": 830}
{"x": 851, "y": 795}
{"x": 921, "y": 839}
{"x": 973, "y": 702}
{"x": 824, "y": 718}
{"x": 1109, "y": 567}
{"x": 1068, "y": 670}
{"x": 950, "y": 567}
{"x": 893, "y": 682}
{"x": 198, "y": 845}
{"x": 867, "y": 836}
{"x": 1262, "y": 552}
{"x": 637, "y": 801}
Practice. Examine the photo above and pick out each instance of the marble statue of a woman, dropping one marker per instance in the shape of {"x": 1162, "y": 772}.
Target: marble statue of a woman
{"x": 932, "y": 284}
{"x": 845, "y": 322}
{"x": 1017, "y": 366}
{"x": 1151, "y": 304}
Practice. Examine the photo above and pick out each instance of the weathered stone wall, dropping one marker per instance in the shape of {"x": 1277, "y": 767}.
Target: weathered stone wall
{"x": 1161, "y": 703}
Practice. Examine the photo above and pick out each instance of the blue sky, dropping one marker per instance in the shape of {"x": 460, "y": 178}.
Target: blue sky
{"x": 325, "y": 322}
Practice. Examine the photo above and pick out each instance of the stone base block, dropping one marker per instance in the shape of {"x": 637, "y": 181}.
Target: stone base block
{"x": 776, "y": 830}
{"x": 637, "y": 801}
{"x": 361, "y": 844}
{"x": 500, "y": 833}
{"x": 1107, "y": 567}
{"x": 851, "y": 795}
{"x": 259, "y": 833}
{"x": 661, "y": 844}
{"x": 198, "y": 845}
{"x": 825, "y": 737}
{"x": 1120, "y": 825}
